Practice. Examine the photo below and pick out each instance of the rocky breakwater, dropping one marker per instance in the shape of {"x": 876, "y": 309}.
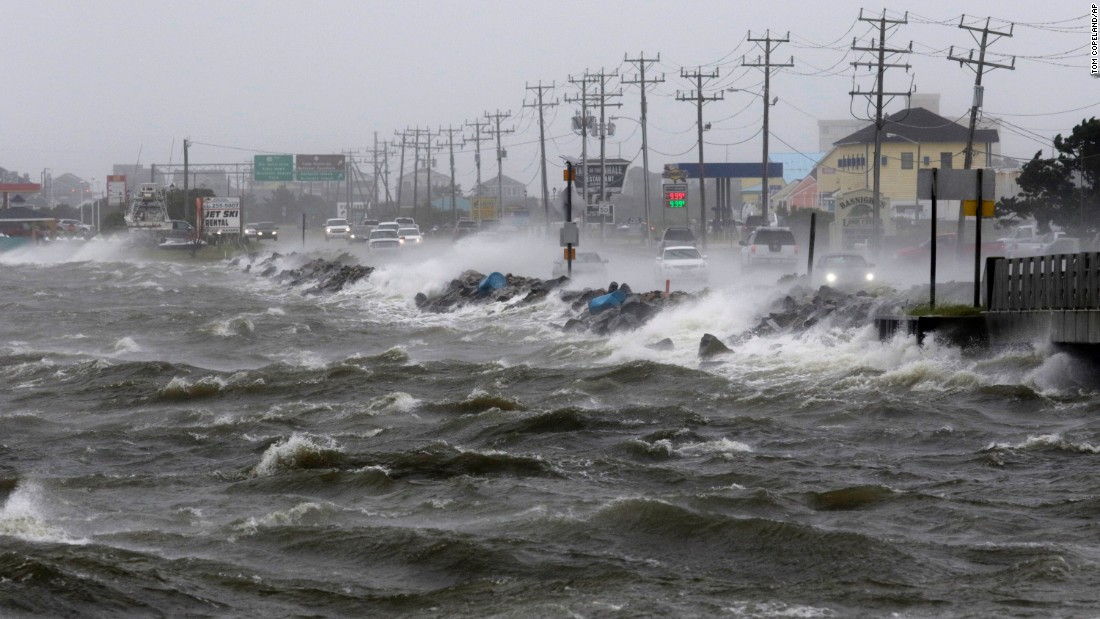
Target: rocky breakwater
{"x": 321, "y": 276}
{"x": 802, "y": 308}
{"x": 629, "y": 311}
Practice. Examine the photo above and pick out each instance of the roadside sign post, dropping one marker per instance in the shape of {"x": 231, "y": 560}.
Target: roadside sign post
{"x": 967, "y": 186}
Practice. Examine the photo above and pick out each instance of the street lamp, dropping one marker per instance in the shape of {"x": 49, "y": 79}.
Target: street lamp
{"x": 645, "y": 174}
{"x": 764, "y": 193}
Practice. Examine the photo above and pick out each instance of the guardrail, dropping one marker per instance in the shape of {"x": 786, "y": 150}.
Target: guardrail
{"x": 1055, "y": 282}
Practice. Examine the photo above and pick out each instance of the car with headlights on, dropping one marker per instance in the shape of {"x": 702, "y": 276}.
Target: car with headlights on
{"x": 410, "y": 236}
{"x": 844, "y": 270}
{"x": 337, "y": 229}
{"x": 261, "y": 231}
{"x": 680, "y": 263}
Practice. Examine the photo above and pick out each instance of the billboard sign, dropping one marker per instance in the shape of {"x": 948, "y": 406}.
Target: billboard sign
{"x": 614, "y": 171}
{"x": 116, "y": 190}
{"x": 221, "y": 215}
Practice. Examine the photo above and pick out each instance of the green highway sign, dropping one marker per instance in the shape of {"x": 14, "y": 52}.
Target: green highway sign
{"x": 273, "y": 168}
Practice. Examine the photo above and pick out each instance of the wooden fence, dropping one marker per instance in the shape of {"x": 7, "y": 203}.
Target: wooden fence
{"x": 1055, "y": 282}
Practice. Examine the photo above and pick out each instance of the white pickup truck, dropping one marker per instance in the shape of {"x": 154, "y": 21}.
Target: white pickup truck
{"x": 1053, "y": 242}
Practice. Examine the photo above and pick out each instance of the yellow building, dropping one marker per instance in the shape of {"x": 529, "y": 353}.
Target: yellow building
{"x": 911, "y": 140}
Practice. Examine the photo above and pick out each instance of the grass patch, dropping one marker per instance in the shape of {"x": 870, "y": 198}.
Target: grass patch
{"x": 944, "y": 310}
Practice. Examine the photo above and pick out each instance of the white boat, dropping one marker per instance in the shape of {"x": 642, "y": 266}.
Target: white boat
{"x": 148, "y": 212}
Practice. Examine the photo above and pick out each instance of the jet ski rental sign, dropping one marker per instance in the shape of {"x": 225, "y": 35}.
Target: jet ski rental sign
{"x": 221, "y": 215}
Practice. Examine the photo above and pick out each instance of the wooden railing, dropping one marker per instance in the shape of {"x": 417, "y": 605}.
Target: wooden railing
{"x": 1056, "y": 282}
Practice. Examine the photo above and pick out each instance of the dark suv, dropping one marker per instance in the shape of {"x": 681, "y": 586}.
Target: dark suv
{"x": 769, "y": 247}
{"x": 676, "y": 236}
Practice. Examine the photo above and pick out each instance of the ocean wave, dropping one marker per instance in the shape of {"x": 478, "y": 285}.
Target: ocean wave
{"x": 303, "y": 514}
{"x": 25, "y": 515}
{"x": 296, "y": 453}
{"x": 854, "y": 497}
{"x": 1046, "y": 442}
{"x": 441, "y": 461}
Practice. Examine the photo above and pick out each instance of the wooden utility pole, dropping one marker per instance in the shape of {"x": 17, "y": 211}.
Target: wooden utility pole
{"x": 642, "y": 63}
{"x": 879, "y": 94}
{"x": 496, "y": 118}
{"x": 978, "y": 89}
{"x": 542, "y": 146}
{"x": 765, "y": 195}
{"x": 478, "y": 124}
{"x": 450, "y": 131}
{"x": 401, "y": 168}
{"x": 602, "y": 78}
{"x": 699, "y": 99}
{"x": 583, "y": 127}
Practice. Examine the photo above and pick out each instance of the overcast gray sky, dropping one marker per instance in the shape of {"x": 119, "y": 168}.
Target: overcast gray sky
{"x": 91, "y": 84}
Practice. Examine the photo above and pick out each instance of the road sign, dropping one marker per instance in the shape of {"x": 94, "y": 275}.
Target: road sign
{"x": 319, "y": 167}
{"x": 954, "y": 184}
{"x": 970, "y": 208}
{"x": 273, "y": 168}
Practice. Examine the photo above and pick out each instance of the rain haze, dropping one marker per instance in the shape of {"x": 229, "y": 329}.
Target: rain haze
{"x": 103, "y": 83}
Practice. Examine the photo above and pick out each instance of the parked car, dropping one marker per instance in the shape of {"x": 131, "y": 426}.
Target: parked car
{"x": 676, "y": 236}
{"x": 1038, "y": 245}
{"x": 74, "y": 228}
{"x": 844, "y": 270}
{"x": 261, "y": 231}
{"x": 945, "y": 249}
{"x": 337, "y": 229}
{"x": 769, "y": 248}
{"x": 588, "y": 264}
{"x": 465, "y": 227}
{"x": 751, "y": 223}
{"x": 410, "y": 236}
{"x": 383, "y": 239}
{"x": 681, "y": 262}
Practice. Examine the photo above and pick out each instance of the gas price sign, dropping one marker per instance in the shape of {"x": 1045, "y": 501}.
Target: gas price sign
{"x": 675, "y": 195}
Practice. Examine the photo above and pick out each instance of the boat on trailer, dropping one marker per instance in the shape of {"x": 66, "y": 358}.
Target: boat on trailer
{"x": 148, "y": 212}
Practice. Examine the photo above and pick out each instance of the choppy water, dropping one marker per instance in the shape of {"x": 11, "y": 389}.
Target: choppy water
{"x": 182, "y": 438}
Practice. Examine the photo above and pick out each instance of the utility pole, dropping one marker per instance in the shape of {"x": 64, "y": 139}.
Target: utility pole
{"x": 450, "y": 131}
{"x": 765, "y": 195}
{"x": 978, "y": 89}
{"x": 699, "y": 98}
{"x": 642, "y": 63}
{"x": 583, "y": 126}
{"x": 428, "y": 166}
{"x": 603, "y": 96}
{"x": 478, "y": 124}
{"x": 416, "y": 167}
{"x": 496, "y": 118}
{"x": 542, "y": 147}
{"x": 186, "y": 145}
{"x": 879, "y": 94}
{"x": 401, "y": 168}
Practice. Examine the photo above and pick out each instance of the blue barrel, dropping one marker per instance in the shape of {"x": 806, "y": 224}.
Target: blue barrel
{"x": 492, "y": 281}
{"x": 607, "y": 301}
